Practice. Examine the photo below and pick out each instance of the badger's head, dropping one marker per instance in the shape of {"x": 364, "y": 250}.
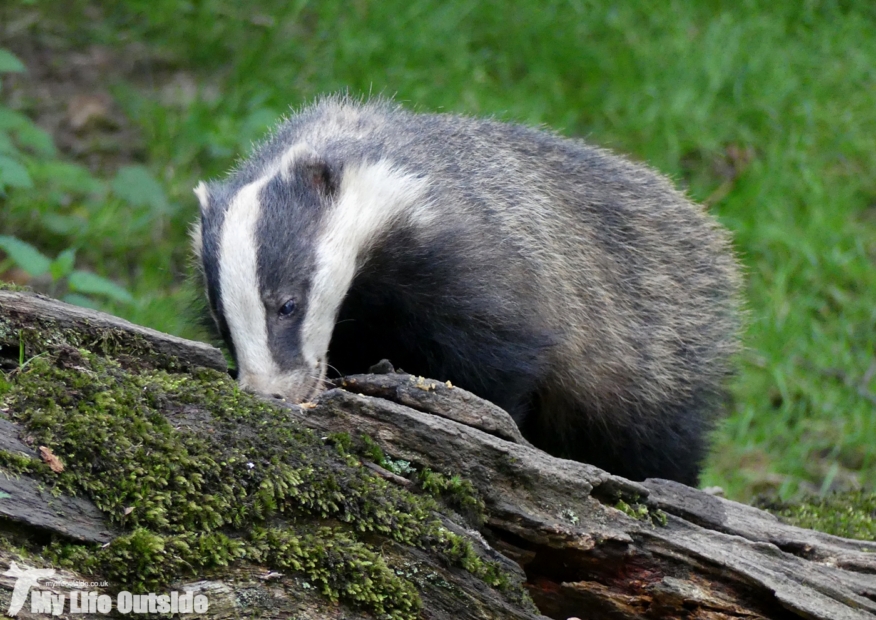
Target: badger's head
{"x": 279, "y": 249}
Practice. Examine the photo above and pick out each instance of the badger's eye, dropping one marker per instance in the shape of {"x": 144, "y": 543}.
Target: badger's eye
{"x": 287, "y": 308}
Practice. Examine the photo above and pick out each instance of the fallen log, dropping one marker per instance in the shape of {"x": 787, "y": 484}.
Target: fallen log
{"x": 412, "y": 498}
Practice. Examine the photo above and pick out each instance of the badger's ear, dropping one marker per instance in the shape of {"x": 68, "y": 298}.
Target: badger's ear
{"x": 306, "y": 166}
{"x": 322, "y": 177}
{"x": 203, "y": 194}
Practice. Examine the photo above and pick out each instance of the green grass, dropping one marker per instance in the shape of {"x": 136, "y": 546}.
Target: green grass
{"x": 765, "y": 110}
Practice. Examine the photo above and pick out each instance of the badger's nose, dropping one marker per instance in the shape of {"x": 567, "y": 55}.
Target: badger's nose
{"x": 253, "y": 383}
{"x": 280, "y": 387}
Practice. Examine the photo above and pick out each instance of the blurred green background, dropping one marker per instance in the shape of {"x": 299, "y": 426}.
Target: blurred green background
{"x": 110, "y": 112}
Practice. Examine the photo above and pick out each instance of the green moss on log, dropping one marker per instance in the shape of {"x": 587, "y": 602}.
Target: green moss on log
{"x": 850, "y": 515}
{"x": 198, "y": 475}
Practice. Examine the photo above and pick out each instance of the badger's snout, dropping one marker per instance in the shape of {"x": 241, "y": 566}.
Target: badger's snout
{"x": 296, "y": 387}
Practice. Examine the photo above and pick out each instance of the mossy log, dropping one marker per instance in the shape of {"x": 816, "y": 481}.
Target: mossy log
{"x": 132, "y": 460}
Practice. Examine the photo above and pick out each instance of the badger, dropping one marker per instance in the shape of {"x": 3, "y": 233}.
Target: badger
{"x": 572, "y": 287}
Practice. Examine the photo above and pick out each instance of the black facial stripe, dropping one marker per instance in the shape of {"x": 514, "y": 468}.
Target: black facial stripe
{"x": 222, "y": 326}
{"x": 292, "y": 205}
{"x": 209, "y": 258}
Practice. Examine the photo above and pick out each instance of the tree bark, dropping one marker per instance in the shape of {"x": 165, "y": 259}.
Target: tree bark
{"x": 584, "y": 543}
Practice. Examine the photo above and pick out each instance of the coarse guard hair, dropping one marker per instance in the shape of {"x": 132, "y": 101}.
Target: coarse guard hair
{"x": 577, "y": 290}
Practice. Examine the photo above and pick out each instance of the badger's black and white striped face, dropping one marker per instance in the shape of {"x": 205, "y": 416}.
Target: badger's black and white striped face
{"x": 279, "y": 251}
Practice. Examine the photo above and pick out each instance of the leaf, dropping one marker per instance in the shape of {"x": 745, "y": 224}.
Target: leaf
{"x": 9, "y": 63}
{"x": 136, "y": 186}
{"x": 6, "y": 145}
{"x": 13, "y": 174}
{"x": 25, "y": 255}
{"x": 93, "y": 284}
{"x": 66, "y": 177}
{"x": 51, "y": 459}
{"x": 36, "y": 139}
{"x": 63, "y": 264}
{"x": 62, "y": 224}
{"x": 10, "y": 119}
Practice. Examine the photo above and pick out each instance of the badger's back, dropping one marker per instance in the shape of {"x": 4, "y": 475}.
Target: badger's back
{"x": 576, "y": 289}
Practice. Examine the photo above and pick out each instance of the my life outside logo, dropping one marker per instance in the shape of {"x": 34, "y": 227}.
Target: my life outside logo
{"x": 82, "y": 601}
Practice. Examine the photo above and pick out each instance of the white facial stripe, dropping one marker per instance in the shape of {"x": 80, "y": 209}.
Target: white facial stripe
{"x": 239, "y": 284}
{"x": 371, "y": 197}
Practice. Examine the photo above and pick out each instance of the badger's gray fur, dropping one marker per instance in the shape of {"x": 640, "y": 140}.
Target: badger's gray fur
{"x": 576, "y": 289}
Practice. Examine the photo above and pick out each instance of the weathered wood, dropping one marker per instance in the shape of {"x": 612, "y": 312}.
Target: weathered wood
{"x": 592, "y": 545}
{"x": 713, "y": 558}
{"x": 31, "y": 310}
{"x": 719, "y": 514}
{"x": 437, "y": 398}
{"x": 24, "y": 501}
